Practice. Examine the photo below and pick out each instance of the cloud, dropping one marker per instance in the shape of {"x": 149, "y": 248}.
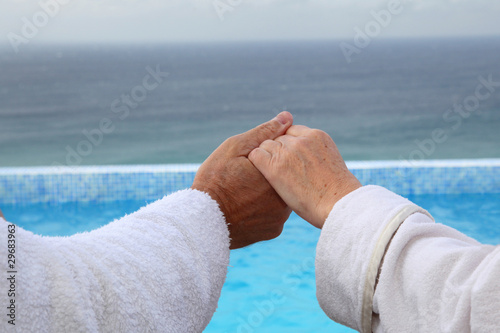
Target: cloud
{"x": 168, "y": 20}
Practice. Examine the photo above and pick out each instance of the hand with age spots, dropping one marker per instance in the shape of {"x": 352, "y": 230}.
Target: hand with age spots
{"x": 306, "y": 169}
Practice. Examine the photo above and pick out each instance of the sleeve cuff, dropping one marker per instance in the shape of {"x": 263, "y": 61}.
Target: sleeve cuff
{"x": 351, "y": 248}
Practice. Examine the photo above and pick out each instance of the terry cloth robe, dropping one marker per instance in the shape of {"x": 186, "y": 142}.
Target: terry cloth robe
{"x": 383, "y": 265}
{"x": 160, "y": 269}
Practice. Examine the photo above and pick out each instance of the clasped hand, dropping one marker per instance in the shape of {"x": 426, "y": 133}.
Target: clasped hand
{"x": 260, "y": 176}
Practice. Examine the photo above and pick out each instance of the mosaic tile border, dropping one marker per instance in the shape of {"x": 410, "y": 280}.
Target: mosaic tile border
{"x": 151, "y": 182}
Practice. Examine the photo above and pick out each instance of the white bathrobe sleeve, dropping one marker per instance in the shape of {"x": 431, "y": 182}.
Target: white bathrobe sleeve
{"x": 160, "y": 269}
{"x": 431, "y": 278}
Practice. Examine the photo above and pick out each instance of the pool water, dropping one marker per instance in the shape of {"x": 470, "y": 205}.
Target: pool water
{"x": 270, "y": 286}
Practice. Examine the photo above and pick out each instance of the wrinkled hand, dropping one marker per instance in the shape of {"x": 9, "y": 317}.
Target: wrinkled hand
{"x": 253, "y": 210}
{"x": 306, "y": 169}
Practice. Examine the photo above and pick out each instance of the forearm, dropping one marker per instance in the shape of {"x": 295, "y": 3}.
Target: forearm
{"x": 350, "y": 250}
{"x": 161, "y": 268}
{"x": 374, "y": 232}
{"x": 435, "y": 279}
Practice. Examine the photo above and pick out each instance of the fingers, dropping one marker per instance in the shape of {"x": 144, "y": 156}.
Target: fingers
{"x": 272, "y": 145}
{"x": 298, "y": 130}
{"x": 267, "y": 131}
{"x": 265, "y": 151}
{"x": 265, "y": 156}
{"x": 260, "y": 158}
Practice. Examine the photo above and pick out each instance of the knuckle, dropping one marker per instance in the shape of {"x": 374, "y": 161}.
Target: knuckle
{"x": 316, "y": 133}
{"x": 233, "y": 143}
{"x": 267, "y": 142}
{"x": 235, "y": 138}
{"x": 320, "y": 136}
{"x": 254, "y": 155}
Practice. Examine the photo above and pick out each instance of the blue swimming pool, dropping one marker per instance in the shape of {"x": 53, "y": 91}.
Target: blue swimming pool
{"x": 270, "y": 286}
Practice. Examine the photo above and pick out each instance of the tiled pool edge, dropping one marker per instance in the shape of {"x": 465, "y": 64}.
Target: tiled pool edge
{"x": 151, "y": 182}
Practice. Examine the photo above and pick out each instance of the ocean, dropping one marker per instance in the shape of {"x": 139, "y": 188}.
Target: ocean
{"x": 96, "y": 104}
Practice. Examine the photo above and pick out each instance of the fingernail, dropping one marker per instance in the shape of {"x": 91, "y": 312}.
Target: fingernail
{"x": 282, "y": 118}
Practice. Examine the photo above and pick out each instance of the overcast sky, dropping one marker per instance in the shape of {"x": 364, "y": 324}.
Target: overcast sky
{"x": 207, "y": 20}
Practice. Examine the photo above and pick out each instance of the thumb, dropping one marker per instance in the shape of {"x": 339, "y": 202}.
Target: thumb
{"x": 268, "y": 131}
